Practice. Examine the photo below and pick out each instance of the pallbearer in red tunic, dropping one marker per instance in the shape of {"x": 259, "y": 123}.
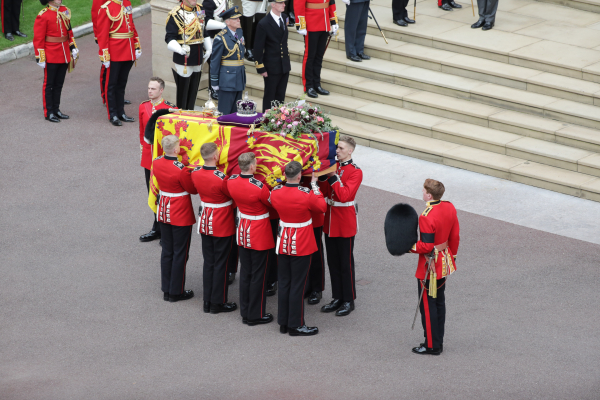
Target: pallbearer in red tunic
{"x": 216, "y": 226}
{"x": 254, "y": 239}
{"x": 316, "y": 275}
{"x": 119, "y": 46}
{"x": 440, "y": 237}
{"x": 55, "y": 48}
{"x": 147, "y": 108}
{"x": 341, "y": 226}
{"x": 176, "y": 217}
{"x": 295, "y": 246}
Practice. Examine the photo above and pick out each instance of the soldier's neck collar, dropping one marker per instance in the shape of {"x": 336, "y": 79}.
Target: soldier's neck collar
{"x": 348, "y": 162}
{"x": 53, "y": 8}
{"x": 170, "y": 158}
{"x": 187, "y": 8}
{"x": 208, "y": 167}
{"x": 247, "y": 176}
{"x": 292, "y": 184}
{"x": 433, "y": 203}
{"x": 157, "y": 102}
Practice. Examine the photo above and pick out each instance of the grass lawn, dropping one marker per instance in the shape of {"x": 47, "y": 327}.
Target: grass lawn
{"x": 80, "y": 10}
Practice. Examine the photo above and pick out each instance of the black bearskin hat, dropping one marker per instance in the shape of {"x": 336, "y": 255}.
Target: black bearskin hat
{"x": 150, "y": 126}
{"x": 401, "y": 223}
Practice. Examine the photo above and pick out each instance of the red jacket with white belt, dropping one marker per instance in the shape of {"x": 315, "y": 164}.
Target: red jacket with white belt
{"x": 175, "y": 182}
{"x": 341, "y": 218}
{"x": 216, "y": 212}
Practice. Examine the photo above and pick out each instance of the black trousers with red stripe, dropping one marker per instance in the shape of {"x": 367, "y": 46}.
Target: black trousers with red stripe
{"x": 103, "y": 74}
{"x": 315, "y": 44}
{"x": 253, "y": 282}
{"x": 117, "y": 73}
{"x": 54, "y": 79}
{"x": 216, "y": 252}
{"x": 174, "y": 257}
{"x": 293, "y": 277}
{"x": 433, "y": 314}
{"x": 155, "y": 225}
{"x": 340, "y": 258}
{"x": 272, "y": 272}
{"x": 316, "y": 276}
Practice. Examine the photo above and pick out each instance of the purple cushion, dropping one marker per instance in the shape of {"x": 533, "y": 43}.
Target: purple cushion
{"x": 237, "y": 120}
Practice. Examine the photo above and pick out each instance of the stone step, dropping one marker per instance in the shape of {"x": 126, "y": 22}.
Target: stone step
{"x": 585, "y": 5}
{"x": 470, "y": 89}
{"x": 460, "y": 156}
{"x": 449, "y": 130}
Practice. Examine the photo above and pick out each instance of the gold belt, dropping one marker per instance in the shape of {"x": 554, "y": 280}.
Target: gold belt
{"x": 231, "y": 63}
{"x": 317, "y": 6}
{"x": 191, "y": 41}
{"x": 127, "y": 35}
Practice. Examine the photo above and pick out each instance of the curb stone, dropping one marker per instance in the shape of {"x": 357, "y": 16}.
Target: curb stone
{"x": 26, "y": 50}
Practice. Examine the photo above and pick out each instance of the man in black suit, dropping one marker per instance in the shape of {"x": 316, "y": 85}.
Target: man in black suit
{"x": 399, "y": 13}
{"x": 271, "y": 55}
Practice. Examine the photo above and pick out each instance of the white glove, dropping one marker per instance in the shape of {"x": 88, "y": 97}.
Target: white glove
{"x": 175, "y": 47}
{"x": 207, "y": 49}
{"x": 75, "y": 51}
{"x": 215, "y": 88}
{"x": 334, "y": 29}
{"x": 346, "y": 2}
{"x": 42, "y": 64}
{"x": 303, "y": 32}
{"x": 106, "y": 64}
{"x": 138, "y": 53}
{"x": 213, "y": 25}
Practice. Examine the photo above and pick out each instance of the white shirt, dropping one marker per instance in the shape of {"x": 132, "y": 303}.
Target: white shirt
{"x": 277, "y": 19}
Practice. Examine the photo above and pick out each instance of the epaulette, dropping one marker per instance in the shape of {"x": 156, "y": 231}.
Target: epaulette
{"x": 355, "y": 166}
{"x": 220, "y": 174}
{"x": 43, "y": 11}
{"x": 145, "y": 101}
{"x": 277, "y": 187}
{"x": 197, "y": 169}
{"x": 178, "y": 164}
{"x": 67, "y": 13}
{"x": 304, "y": 189}
{"x": 105, "y": 5}
{"x": 159, "y": 157}
{"x": 233, "y": 176}
{"x": 427, "y": 211}
{"x": 170, "y": 104}
{"x": 256, "y": 182}
{"x": 174, "y": 10}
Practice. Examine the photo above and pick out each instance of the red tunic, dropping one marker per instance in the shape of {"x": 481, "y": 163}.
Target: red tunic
{"x": 216, "y": 215}
{"x": 55, "y": 23}
{"x": 95, "y": 8}
{"x": 318, "y": 217}
{"x": 295, "y": 205}
{"x": 341, "y": 218}
{"x": 252, "y": 199}
{"x": 146, "y": 111}
{"x": 438, "y": 224}
{"x": 317, "y": 19}
{"x": 116, "y": 33}
{"x": 174, "y": 180}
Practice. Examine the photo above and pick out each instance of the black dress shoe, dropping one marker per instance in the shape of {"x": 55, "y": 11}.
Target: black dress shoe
{"x": 364, "y": 56}
{"x": 52, "y": 118}
{"x": 150, "y": 236}
{"x": 115, "y": 121}
{"x": 206, "y": 306}
{"x": 126, "y": 118}
{"x": 20, "y": 34}
{"x": 478, "y": 24}
{"x": 249, "y": 56}
{"x": 424, "y": 344}
{"x": 354, "y": 58}
{"x": 426, "y": 350}
{"x": 346, "y": 308}
{"x": 303, "y": 331}
{"x": 126, "y": 102}
{"x": 186, "y": 295}
{"x": 282, "y": 329}
{"x": 322, "y": 91}
{"x": 487, "y": 27}
{"x": 401, "y": 22}
{"x": 408, "y": 20}
{"x": 264, "y": 320}
{"x": 271, "y": 289}
{"x": 333, "y": 306}
{"x": 165, "y": 296}
{"x": 314, "y": 298}
{"x": 223, "y": 307}
{"x": 61, "y": 115}
{"x": 230, "y": 278}
{"x": 9, "y": 36}
{"x": 445, "y": 7}
{"x": 312, "y": 93}
{"x": 454, "y": 5}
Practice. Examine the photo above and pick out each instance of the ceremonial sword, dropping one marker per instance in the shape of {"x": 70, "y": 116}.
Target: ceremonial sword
{"x": 422, "y": 290}
{"x": 377, "y": 23}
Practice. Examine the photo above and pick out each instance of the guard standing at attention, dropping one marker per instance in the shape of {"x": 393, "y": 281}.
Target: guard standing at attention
{"x": 399, "y": 13}
{"x": 55, "y": 49}
{"x": 227, "y": 71}
{"x": 341, "y": 226}
{"x": 176, "y": 217}
{"x": 295, "y": 246}
{"x": 216, "y": 226}
{"x": 253, "y": 12}
{"x": 439, "y": 240}
{"x": 214, "y": 24}
{"x": 119, "y": 46}
{"x": 254, "y": 239}
{"x": 271, "y": 54}
{"x": 315, "y": 19}
{"x": 185, "y": 38}
{"x": 355, "y": 29}
{"x": 155, "y": 102}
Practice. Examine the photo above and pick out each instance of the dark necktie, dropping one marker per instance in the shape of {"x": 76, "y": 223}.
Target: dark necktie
{"x": 281, "y": 24}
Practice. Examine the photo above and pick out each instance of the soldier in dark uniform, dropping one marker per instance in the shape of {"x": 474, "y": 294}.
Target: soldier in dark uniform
{"x": 227, "y": 71}
{"x": 271, "y": 55}
{"x": 214, "y": 24}
{"x": 355, "y": 29}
